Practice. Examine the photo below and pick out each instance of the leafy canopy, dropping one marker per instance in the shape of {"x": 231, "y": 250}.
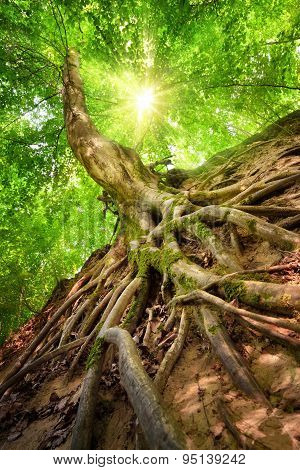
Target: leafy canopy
{"x": 181, "y": 78}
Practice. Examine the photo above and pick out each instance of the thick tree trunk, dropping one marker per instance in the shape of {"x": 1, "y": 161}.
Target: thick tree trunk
{"x": 119, "y": 170}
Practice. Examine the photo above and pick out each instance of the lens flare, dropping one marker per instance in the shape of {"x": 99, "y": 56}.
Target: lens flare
{"x": 144, "y": 101}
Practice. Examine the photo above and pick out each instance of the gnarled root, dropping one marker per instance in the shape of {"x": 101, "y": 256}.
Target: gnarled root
{"x": 34, "y": 364}
{"x": 158, "y": 427}
{"x": 173, "y": 353}
{"x": 82, "y": 433}
{"x": 231, "y": 359}
{"x": 271, "y": 332}
{"x": 276, "y": 235}
{"x": 226, "y": 307}
{"x": 47, "y": 327}
{"x": 229, "y": 422}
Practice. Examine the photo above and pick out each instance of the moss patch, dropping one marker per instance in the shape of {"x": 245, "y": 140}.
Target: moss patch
{"x": 233, "y": 289}
{"x": 251, "y": 224}
{"x": 187, "y": 284}
{"x": 213, "y": 329}
{"x": 95, "y": 352}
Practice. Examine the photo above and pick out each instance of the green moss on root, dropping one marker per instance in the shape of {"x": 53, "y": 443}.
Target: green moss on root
{"x": 160, "y": 259}
{"x": 233, "y": 289}
{"x": 251, "y": 224}
{"x": 202, "y": 231}
{"x": 95, "y": 352}
{"x": 213, "y": 329}
{"x": 186, "y": 283}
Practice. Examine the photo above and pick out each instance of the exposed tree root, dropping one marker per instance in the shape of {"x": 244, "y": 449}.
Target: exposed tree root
{"x": 116, "y": 296}
{"x": 108, "y": 301}
{"x": 231, "y": 359}
{"x": 229, "y": 308}
{"x": 271, "y": 332}
{"x": 34, "y": 364}
{"x": 270, "y": 211}
{"x": 71, "y": 322}
{"x": 43, "y": 333}
{"x": 138, "y": 306}
{"x": 83, "y": 348}
{"x": 153, "y": 230}
{"x": 229, "y": 422}
{"x": 82, "y": 433}
{"x": 210, "y": 241}
{"x": 148, "y": 327}
{"x": 272, "y": 269}
{"x": 173, "y": 353}
{"x": 235, "y": 241}
{"x": 281, "y": 298}
{"x": 48, "y": 345}
{"x": 83, "y": 430}
{"x": 90, "y": 319}
{"x": 290, "y": 222}
{"x": 260, "y": 190}
{"x": 171, "y": 319}
{"x": 255, "y": 226}
{"x": 158, "y": 427}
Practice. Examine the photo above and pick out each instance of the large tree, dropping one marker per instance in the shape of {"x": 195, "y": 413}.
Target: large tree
{"x": 191, "y": 237}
